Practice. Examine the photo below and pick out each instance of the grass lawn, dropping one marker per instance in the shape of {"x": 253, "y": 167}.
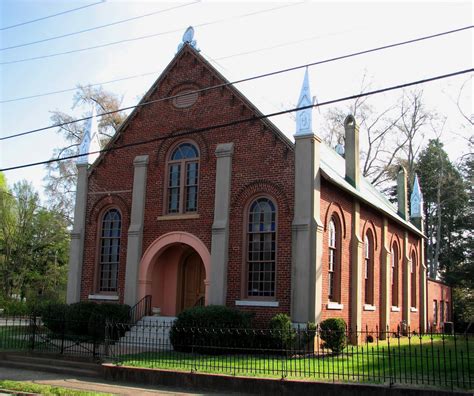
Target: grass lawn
{"x": 437, "y": 361}
{"x": 29, "y": 387}
{"x": 14, "y": 337}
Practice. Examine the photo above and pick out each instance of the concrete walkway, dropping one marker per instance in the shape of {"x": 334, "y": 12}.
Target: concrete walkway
{"x": 86, "y": 384}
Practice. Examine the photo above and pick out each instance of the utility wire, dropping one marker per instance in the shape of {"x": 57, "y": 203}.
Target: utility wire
{"x": 52, "y": 16}
{"x": 337, "y": 58}
{"x": 220, "y": 58}
{"x": 244, "y": 120}
{"x": 99, "y": 27}
{"x": 216, "y": 21}
{"x": 256, "y": 50}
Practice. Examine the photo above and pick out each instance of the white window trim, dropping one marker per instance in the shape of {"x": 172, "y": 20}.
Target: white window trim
{"x": 369, "y": 307}
{"x": 413, "y": 309}
{"x": 334, "y": 306}
{"x": 395, "y": 309}
{"x": 256, "y": 303}
{"x": 103, "y": 297}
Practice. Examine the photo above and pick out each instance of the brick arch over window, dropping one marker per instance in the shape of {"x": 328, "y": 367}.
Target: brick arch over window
{"x": 414, "y": 277}
{"x": 167, "y": 144}
{"x": 335, "y": 208}
{"x": 106, "y": 201}
{"x": 369, "y": 225}
{"x": 261, "y": 187}
{"x": 396, "y": 254}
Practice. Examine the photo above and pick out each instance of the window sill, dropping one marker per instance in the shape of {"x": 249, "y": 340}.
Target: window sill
{"x": 413, "y": 309}
{"x": 256, "y": 303}
{"x": 395, "y": 309}
{"x": 368, "y": 307}
{"x": 103, "y": 297}
{"x": 335, "y": 306}
{"x": 178, "y": 216}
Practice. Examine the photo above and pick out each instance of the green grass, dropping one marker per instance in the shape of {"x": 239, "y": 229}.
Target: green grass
{"x": 47, "y": 390}
{"x": 437, "y": 361}
{"x": 13, "y": 337}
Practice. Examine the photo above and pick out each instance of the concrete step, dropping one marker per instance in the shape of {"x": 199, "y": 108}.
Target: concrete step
{"x": 51, "y": 365}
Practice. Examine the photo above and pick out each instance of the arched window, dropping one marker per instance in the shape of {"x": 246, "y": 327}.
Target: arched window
{"x": 183, "y": 177}
{"x": 261, "y": 248}
{"x": 395, "y": 275}
{"x": 333, "y": 261}
{"x": 414, "y": 267}
{"x": 109, "y": 251}
{"x": 369, "y": 268}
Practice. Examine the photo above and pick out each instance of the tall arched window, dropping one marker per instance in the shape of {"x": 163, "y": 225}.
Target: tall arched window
{"x": 261, "y": 248}
{"x": 414, "y": 267}
{"x": 183, "y": 177}
{"x": 369, "y": 268}
{"x": 333, "y": 261}
{"x": 109, "y": 251}
{"x": 395, "y": 275}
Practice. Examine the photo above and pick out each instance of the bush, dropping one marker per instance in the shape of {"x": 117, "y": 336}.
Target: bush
{"x": 333, "y": 332}
{"x": 83, "y": 318}
{"x": 53, "y": 316}
{"x": 15, "y": 308}
{"x": 282, "y": 331}
{"x": 211, "y": 329}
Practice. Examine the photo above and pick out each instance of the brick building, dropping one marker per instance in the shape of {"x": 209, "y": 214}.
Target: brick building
{"x": 240, "y": 215}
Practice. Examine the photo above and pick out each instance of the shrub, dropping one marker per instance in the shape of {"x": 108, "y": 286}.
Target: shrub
{"x": 53, "y": 316}
{"x": 15, "y": 308}
{"x": 282, "y": 331}
{"x": 333, "y": 332}
{"x": 211, "y": 329}
{"x": 114, "y": 312}
{"x": 77, "y": 317}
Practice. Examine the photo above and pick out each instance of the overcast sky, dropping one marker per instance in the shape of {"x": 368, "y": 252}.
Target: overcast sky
{"x": 240, "y": 39}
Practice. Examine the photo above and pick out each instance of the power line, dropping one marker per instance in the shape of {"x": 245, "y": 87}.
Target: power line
{"x": 158, "y": 71}
{"x": 219, "y": 58}
{"x": 244, "y": 120}
{"x": 150, "y": 35}
{"x": 99, "y": 27}
{"x": 52, "y": 16}
{"x": 337, "y": 58}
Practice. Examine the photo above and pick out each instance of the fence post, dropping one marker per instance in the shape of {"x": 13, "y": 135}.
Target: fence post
{"x": 32, "y": 332}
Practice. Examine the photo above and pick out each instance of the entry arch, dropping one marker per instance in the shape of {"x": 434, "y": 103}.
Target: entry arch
{"x": 158, "y": 246}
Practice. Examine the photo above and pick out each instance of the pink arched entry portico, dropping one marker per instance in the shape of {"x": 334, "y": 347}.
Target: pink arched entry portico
{"x": 161, "y": 266}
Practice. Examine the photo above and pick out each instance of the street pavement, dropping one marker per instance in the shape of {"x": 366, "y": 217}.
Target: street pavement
{"x": 91, "y": 385}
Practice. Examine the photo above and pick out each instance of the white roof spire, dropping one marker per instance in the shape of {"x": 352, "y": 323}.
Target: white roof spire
{"x": 304, "y": 122}
{"x": 416, "y": 200}
{"x": 188, "y": 38}
{"x": 90, "y": 140}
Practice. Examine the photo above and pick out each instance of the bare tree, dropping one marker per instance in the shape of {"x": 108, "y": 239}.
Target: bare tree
{"x": 61, "y": 176}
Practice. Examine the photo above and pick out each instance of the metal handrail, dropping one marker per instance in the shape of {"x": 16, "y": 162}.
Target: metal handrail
{"x": 140, "y": 309}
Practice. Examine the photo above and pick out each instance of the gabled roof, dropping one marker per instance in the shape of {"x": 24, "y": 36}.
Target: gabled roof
{"x": 334, "y": 169}
{"x": 332, "y": 164}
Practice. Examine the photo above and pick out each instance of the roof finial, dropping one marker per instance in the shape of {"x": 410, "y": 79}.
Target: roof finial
{"x": 90, "y": 141}
{"x": 416, "y": 200}
{"x": 304, "y": 116}
{"x": 188, "y": 37}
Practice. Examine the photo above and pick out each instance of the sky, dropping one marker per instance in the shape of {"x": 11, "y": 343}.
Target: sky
{"x": 241, "y": 39}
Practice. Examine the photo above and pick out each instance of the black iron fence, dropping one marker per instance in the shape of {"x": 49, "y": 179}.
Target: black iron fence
{"x": 439, "y": 360}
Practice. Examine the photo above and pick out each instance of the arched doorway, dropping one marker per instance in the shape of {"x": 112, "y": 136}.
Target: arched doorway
{"x": 174, "y": 271}
{"x": 192, "y": 286}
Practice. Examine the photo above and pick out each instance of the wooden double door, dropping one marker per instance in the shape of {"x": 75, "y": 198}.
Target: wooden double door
{"x": 193, "y": 275}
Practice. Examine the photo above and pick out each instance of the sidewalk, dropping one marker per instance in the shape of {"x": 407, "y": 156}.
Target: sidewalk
{"x": 94, "y": 385}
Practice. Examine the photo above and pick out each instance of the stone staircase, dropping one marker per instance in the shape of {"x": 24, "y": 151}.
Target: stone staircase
{"x": 151, "y": 333}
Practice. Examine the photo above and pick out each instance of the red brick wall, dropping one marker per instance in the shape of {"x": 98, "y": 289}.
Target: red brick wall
{"x": 255, "y": 147}
{"x": 440, "y": 292}
{"x": 262, "y": 164}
